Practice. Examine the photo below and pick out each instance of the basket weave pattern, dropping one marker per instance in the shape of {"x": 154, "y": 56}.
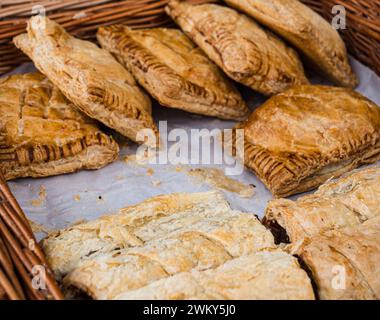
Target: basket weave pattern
{"x": 82, "y": 18}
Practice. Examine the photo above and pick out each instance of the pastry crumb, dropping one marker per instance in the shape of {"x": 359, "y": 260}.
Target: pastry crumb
{"x": 217, "y": 179}
{"x": 77, "y": 197}
{"x": 41, "y": 197}
{"x": 156, "y": 182}
{"x": 150, "y": 172}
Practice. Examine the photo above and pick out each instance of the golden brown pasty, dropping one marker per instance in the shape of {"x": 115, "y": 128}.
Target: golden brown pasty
{"x": 159, "y": 238}
{"x": 344, "y": 263}
{"x": 347, "y": 202}
{"x": 307, "y": 31}
{"x": 43, "y": 134}
{"x": 299, "y": 139}
{"x": 174, "y": 71}
{"x": 88, "y": 76}
{"x": 265, "y": 275}
{"x": 246, "y": 52}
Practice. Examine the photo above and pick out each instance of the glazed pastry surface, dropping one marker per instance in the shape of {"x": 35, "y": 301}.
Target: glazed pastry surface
{"x": 299, "y": 139}
{"x": 174, "y": 71}
{"x": 245, "y": 51}
{"x": 307, "y": 31}
{"x": 88, "y": 76}
{"x": 43, "y": 134}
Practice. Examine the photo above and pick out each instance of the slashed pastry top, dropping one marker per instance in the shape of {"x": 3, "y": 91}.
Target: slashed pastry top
{"x": 266, "y": 275}
{"x": 346, "y": 202}
{"x": 299, "y": 139}
{"x": 307, "y": 31}
{"x": 174, "y": 71}
{"x": 88, "y": 76}
{"x": 43, "y": 134}
{"x": 155, "y": 239}
{"x": 344, "y": 263}
{"x": 246, "y": 52}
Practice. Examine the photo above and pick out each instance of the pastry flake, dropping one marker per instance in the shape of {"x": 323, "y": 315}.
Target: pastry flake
{"x": 43, "y": 134}
{"x": 307, "y": 31}
{"x": 246, "y": 52}
{"x": 88, "y": 76}
{"x": 299, "y": 139}
{"x": 347, "y": 202}
{"x": 174, "y": 71}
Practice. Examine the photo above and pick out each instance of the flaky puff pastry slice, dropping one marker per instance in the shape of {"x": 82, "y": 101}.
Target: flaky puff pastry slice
{"x": 307, "y": 31}
{"x": 174, "y": 71}
{"x": 264, "y": 275}
{"x": 88, "y": 76}
{"x": 346, "y": 202}
{"x": 245, "y": 51}
{"x": 306, "y": 135}
{"x": 43, "y": 134}
{"x": 205, "y": 244}
{"x": 344, "y": 263}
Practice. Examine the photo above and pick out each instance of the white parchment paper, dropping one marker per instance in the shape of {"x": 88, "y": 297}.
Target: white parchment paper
{"x": 57, "y": 202}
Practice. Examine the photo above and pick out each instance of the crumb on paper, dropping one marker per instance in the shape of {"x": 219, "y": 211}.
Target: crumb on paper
{"x": 139, "y": 159}
{"x": 156, "y": 183}
{"x": 37, "y": 227}
{"x": 77, "y": 197}
{"x": 119, "y": 178}
{"x": 217, "y": 179}
{"x": 150, "y": 172}
{"x": 41, "y": 197}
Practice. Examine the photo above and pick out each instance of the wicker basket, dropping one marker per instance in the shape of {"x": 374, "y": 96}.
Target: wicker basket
{"x": 82, "y": 18}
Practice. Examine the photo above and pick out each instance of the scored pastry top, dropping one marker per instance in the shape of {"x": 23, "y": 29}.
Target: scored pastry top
{"x": 307, "y": 31}
{"x": 174, "y": 71}
{"x": 38, "y": 126}
{"x": 245, "y": 51}
{"x": 300, "y": 138}
{"x": 87, "y": 75}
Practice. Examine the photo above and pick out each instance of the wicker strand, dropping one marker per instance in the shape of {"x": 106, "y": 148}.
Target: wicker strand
{"x": 19, "y": 253}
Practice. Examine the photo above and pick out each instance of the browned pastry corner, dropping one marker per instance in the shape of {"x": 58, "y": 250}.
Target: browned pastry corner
{"x": 171, "y": 235}
{"x": 347, "y": 202}
{"x": 307, "y": 31}
{"x": 299, "y": 139}
{"x": 246, "y": 52}
{"x": 43, "y": 134}
{"x": 174, "y": 71}
{"x": 88, "y": 76}
{"x": 344, "y": 263}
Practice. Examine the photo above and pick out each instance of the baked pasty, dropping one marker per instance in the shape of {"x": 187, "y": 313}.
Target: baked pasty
{"x": 43, "y": 134}
{"x": 268, "y": 275}
{"x": 246, "y": 52}
{"x": 88, "y": 76}
{"x": 307, "y": 31}
{"x": 299, "y": 139}
{"x": 174, "y": 71}
{"x": 344, "y": 263}
{"x": 162, "y": 237}
{"x": 347, "y": 202}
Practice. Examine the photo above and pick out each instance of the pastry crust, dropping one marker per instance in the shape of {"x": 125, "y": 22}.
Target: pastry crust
{"x": 88, "y": 76}
{"x": 299, "y": 139}
{"x": 268, "y": 275}
{"x": 246, "y": 52}
{"x": 130, "y": 227}
{"x": 174, "y": 71}
{"x": 43, "y": 134}
{"x": 346, "y": 202}
{"x": 345, "y": 263}
{"x": 200, "y": 245}
{"x": 157, "y": 238}
{"x": 307, "y": 31}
